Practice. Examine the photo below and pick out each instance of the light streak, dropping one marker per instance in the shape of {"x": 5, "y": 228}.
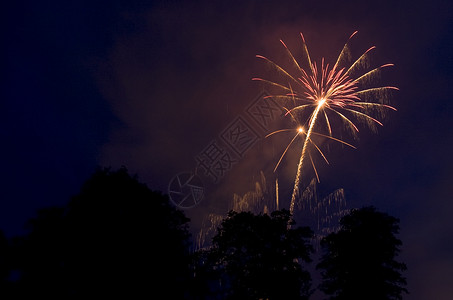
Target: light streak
{"x": 326, "y": 93}
{"x": 276, "y": 192}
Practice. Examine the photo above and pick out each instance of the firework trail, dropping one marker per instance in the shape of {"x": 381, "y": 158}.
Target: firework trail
{"x": 326, "y": 93}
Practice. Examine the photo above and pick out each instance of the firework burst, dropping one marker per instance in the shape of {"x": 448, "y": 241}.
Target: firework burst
{"x": 321, "y": 93}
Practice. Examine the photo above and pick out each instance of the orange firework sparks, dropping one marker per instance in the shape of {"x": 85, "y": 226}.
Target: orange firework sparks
{"x": 325, "y": 93}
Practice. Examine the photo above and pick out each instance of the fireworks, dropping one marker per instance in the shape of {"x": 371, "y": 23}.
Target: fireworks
{"x": 323, "y": 94}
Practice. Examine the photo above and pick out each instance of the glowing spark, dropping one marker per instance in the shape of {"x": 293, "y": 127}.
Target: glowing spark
{"x": 326, "y": 93}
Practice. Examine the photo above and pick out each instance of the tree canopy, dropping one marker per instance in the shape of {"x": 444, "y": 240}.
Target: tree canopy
{"x": 359, "y": 260}
{"x": 259, "y": 258}
{"x": 118, "y": 238}
{"x": 114, "y": 238}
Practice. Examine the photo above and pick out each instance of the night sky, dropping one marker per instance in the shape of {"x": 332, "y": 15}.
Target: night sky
{"x": 151, "y": 85}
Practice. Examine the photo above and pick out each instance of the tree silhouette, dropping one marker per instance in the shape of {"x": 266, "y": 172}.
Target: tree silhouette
{"x": 5, "y": 266}
{"x": 257, "y": 257}
{"x": 116, "y": 238}
{"x": 130, "y": 234}
{"x": 359, "y": 259}
{"x": 40, "y": 256}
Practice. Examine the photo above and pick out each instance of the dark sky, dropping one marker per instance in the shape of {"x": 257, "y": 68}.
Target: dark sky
{"x": 151, "y": 85}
